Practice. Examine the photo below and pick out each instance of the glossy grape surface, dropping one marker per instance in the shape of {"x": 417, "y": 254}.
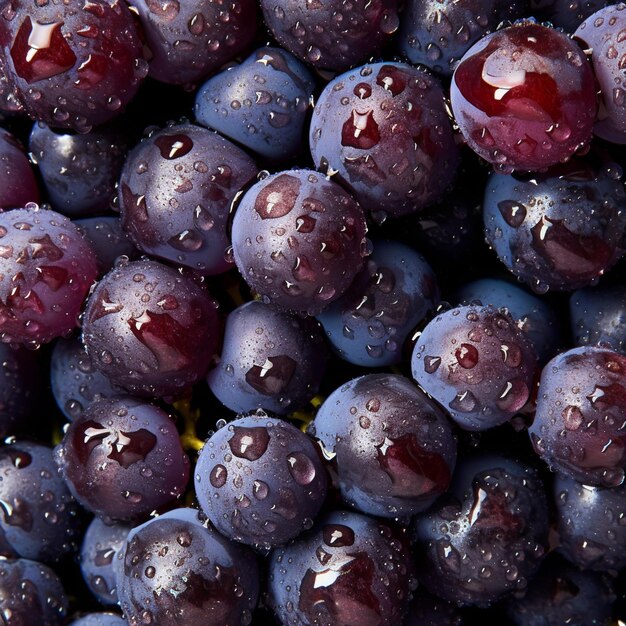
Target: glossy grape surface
{"x": 524, "y": 97}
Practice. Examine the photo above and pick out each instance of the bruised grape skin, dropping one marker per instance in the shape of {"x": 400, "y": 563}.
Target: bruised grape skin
{"x": 598, "y": 316}
{"x": 271, "y": 359}
{"x": 328, "y": 34}
{"x": 590, "y": 524}
{"x": 70, "y": 65}
{"x": 151, "y": 329}
{"x": 79, "y": 171}
{"x": 477, "y": 363}
{"x": 101, "y": 543}
{"x": 175, "y": 193}
{"x": 74, "y": 380}
{"x": 19, "y": 185}
{"x": 396, "y": 290}
{"x": 189, "y": 41}
{"x": 174, "y": 569}
{"x": 559, "y": 230}
{"x": 393, "y": 447}
{"x": 563, "y": 594}
{"x": 46, "y": 269}
{"x": 349, "y": 569}
{"x": 31, "y": 593}
{"x": 487, "y": 536}
{"x": 437, "y": 33}
{"x": 299, "y": 239}
{"x": 524, "y": 97}
{"x": 383, "y": 130}
{"x": 122, "y": 459}
{"x": 261, "y": 103}
{"x": 260, "y": 480}
{"x": 39, "y": 518}
{"x": 579, "y": 417}
{"x": 602, "y": 34}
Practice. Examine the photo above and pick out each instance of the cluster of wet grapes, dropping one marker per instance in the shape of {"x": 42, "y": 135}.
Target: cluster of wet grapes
{"x": 312, "y": 313}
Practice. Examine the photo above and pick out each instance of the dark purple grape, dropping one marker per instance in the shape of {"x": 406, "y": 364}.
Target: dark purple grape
{"x": 393, "y": 447}
{"x": 188, "y": 41}
{"x": 299, "y": 239}
{"x": 602, "y": 34}
{"x": 175, "y": 193}
{"x": 562, "y": 594}
{"x": 176, "y": 570}
{"x": 487, "y": 536}
{"x": 31, "y": 594}
{"x": 46, "y": 269}
{"x": 101, "y": 543}
{"x": 328, "y": 34}
{"x": 477, "y": 363}
{"x": 536, "y": 317}
{"x": 591, "y": 524}
{"x": 349, "y": 569}
{"x": 70, "y": 65}
{"x": 395, "y": 291}
{"x": 271, "y": 359}
{"x": 151, "y": 329}
{"x": 580, "y": 415}
{"x": 260, "y": 480}
{"x": 524, "y": 97}
{"x": 108, "y": 240}
{"x": 261, "y": 103}
{"x": 383, "y": 130}
{"x": 99, "y": 619}
{"x": 20, "y": 382}
{"x": 559, "y": 230}
{"x": 565, "y": 14}
{"x": 437, "y": 33}
{"x": 74, "y": 380}
{"x": 39, "y": 519}
{"x": 79, "y": 171}
{"x": 122, "y": 459}
{"x": 598, "y": 316}
{"x": 19, "y": 185}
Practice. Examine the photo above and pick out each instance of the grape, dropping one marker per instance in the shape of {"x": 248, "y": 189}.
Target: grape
{"x": 100, "y": 619}
{"x": 74, "y": 380}
{"x": 349, "y": 569}
{"x": 189, "y": 41}
{"x": 270, "y": 359}
{"x": 383, "y": 131}
{"x": 40, "y": 518}
{"x": 369, "y": 324}
{"x": 70, "y": 65}
{"x": 46, "y": 269}
{"x": 524, "y": 97}
{"x": 150, "y": 329}
{"x": 98, "y": 551}
{"x": 394, "y": 448}
{"x": 79, "y": 171}
{"x": 19, "y": 182}
{"x": 122, "y": 459}
{"x": 260, "y": 480}
{"x": 176, "y": 189}
{"x": 176, "y": 570}
{"x": 581, "y": 407}
{"x": 487, "y": 536}
{"x": 309, "y": 239}
{"x": 328, "y": 34}
{"x": 477, "y": 363}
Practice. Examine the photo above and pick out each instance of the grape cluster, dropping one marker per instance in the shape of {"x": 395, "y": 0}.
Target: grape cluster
{"x": 312, "y": 313}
